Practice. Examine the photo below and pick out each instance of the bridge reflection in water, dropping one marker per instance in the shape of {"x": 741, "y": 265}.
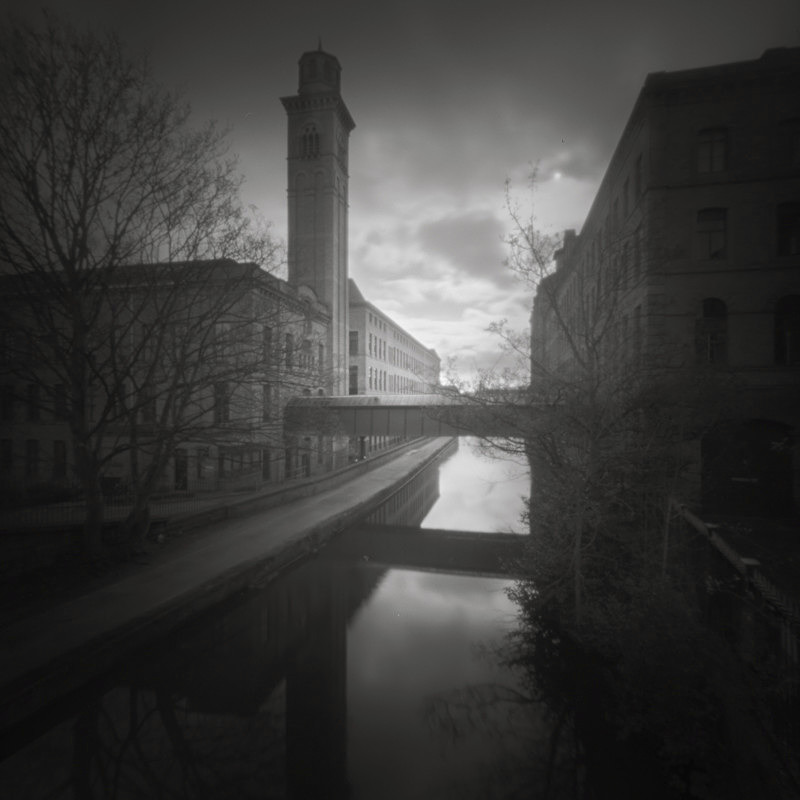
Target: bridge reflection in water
{"x": 249, "y": 700}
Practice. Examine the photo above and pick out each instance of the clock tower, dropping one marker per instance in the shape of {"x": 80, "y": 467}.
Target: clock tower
{"x": 319, "y": 126}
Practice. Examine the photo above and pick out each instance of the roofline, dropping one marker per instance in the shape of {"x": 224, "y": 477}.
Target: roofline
{"x": 364, "y": 302}
{"x": 771, "y": 61}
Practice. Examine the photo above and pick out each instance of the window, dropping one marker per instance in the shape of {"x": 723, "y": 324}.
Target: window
{"x": 353, "y": 343}
{"x": 6, "y": 455}
{"x": 370, "y": 378}
{"x": 223, "y": 339}
{"x": 31, "y": 458}
{"x": 712, "y": 150}
{"x": 15, "y": 345}
{"x": 289, "y": 346}
{"x": 305, "y": 354}
{"x": 287, "y": 460}
{"x": 309, "y": 142}
{"x": 59, "y": 402}
{"x": 711, "y": 339}
{"x": 59, "y": 459}
{"x": 199, "y": 456}
{"x": 32, "y": 398}
{"x": 321, "y": 357}
{"x": 6, "y": 403}
{"x": 147, "y": 345}
{"x": 787, "y": 330}
{"x": 222, "y": 409}
{"x": 789, "y": 229}
{"x": 266, "y": 466}
{"x": 790, "y": 150}
{"x": 118, "y": 400}
{"x": 266, "y": 402}
{"x": 353, "y": 386}
{"x": 266, "y": 343}
{"x": 147, "y": 407}
{"x": 712, "y": 232}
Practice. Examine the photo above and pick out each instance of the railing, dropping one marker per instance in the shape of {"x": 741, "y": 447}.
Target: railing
{"x": 784, "y": 609}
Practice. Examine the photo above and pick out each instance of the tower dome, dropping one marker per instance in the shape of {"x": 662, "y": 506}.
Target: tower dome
{"x": 319, "y": 72}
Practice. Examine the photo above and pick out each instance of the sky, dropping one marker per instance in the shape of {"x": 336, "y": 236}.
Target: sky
{"x": 450, "y": 99}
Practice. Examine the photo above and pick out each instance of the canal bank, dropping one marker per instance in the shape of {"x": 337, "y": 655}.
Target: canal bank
{"x": 48, "y": 655}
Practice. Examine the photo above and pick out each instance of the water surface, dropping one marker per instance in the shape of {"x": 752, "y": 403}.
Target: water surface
{"x": 343, "y": 678}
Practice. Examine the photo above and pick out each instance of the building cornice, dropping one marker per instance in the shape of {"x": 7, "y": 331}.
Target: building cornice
{"x": 298, "y": 104}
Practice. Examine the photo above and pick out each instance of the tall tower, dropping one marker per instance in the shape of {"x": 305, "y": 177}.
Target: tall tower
{"x": 319, "y": 131}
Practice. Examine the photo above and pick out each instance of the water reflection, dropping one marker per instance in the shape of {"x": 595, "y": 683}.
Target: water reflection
{"x": 413, "y": 643}
{"x": 410, "y": 504}
{"x": 341, "y": 679}
{"x": 480, "y": 493}
{"x": 249, "y": 701}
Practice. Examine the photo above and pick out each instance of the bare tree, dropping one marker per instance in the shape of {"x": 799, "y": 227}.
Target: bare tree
{"x": 101, "y": 171}
{"x": 609, "y": 407}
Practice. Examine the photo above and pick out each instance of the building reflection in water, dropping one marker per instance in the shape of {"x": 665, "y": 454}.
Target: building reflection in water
{"x": 249, "y": 700}
{"x": 412, "y": 502}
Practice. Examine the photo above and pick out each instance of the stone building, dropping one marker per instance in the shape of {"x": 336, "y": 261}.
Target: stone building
{"x": 690, "y": 259}
{"x": 250, "y": 340}
{"x": 384, "y": 358}
{"x": 207, "y": 383}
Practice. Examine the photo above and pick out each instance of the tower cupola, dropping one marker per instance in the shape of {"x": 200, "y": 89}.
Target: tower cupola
{"x": 319, "y": 72}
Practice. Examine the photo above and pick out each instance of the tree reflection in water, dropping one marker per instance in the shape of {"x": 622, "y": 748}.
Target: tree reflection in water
{"x": 141, "y": 743}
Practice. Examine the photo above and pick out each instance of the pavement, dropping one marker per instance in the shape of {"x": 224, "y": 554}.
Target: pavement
{"x": 54, "y": 652}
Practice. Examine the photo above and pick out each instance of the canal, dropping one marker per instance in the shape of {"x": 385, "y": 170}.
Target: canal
{"x": 344, "y": 677}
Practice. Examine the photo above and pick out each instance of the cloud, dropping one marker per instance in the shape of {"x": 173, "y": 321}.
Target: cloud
{"x": 470, "y": 242}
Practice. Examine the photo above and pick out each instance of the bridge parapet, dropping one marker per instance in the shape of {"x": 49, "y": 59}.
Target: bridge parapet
{"x": 407, "y": 415}
{"x": 423, "y": 548}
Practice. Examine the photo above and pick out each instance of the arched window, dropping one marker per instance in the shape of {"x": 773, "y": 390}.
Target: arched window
{"x": 309, "y": 142}
{"x": 787, "y": 330}
{"x": 711, "y": 334}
